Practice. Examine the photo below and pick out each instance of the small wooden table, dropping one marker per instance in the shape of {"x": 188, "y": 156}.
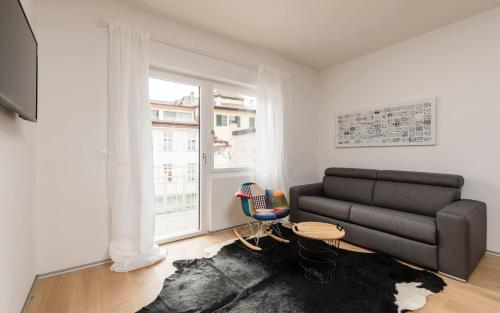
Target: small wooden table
{"x": 319, "y": 261}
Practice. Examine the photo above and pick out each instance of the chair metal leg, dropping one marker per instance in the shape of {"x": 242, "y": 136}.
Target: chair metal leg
{"x": 255, "y": 230}
{"x": 245, "y": 242}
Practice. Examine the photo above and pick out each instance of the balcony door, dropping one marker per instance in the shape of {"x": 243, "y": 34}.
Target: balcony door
{"x": 203, "y": 149}
{"x": 175, "y": 103}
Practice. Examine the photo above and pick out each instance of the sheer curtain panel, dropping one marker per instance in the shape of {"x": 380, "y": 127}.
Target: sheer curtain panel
{"x": 130, "y": 162}
{"x": 273, "y": 98}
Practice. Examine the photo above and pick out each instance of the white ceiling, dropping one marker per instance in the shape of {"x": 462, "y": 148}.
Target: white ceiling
{"x": 317, "y": 33}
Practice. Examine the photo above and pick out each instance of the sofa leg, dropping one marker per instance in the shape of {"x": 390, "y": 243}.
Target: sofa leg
{"x": 452, "y": 277}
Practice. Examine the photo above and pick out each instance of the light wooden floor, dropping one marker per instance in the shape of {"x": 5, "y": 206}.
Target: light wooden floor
{"x": 97, "y": 290}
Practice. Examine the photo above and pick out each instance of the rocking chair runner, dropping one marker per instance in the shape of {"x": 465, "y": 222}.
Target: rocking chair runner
{"x": 264, "y": 209}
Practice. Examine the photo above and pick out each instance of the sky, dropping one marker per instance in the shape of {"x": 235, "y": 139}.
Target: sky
{"x": 163, "y": 90}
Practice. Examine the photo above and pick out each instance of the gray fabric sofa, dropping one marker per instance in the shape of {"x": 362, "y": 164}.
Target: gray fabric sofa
{"x": 413, "y": 216}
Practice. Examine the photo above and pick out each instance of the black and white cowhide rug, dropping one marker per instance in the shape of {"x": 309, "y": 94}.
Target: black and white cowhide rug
{"x": 237, "y": 279}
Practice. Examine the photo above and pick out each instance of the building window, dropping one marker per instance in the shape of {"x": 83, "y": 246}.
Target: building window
{"x": 191, "y": 172}
{"x": 221, "y": 120}
{"x": 177, "y": 116}
{"x": 235, "y": 120}
{"x": 192, "y": 143}
{"x": 168, "y": 141}
{"x": 168, "y": 172}
{"x": 169, "y": 115}
{"x": 155, "y": 114}
{"x": 184, "y": 117}
{"x": 251, "y": 122}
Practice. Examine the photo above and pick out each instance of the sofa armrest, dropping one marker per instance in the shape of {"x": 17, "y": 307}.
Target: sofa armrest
{"x": 299, "y": 191}
{"x": 461, "y": 228}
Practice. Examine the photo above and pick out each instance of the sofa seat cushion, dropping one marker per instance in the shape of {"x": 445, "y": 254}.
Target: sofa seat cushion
{"x": 326, "y": 206}
{"x": 412, "y": 226}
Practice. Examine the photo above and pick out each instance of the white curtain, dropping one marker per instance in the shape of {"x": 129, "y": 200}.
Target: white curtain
{"x": 273, "y": 99}
{"x": 130, "y": 163}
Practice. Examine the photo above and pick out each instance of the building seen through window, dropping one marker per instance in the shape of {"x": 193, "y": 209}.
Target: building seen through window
{"x": 234, "y": 130}
{"x": 175, "y": 123}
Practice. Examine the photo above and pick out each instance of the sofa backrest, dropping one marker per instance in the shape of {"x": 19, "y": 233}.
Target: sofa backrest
{"x": 349, "y": 184}
{"x": 416, "y": 192}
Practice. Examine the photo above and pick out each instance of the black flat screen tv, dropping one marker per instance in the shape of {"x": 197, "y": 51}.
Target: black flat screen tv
{"x": 18, "y": 61}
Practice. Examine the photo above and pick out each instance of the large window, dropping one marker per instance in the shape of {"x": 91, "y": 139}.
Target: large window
{"x": 234, "y": 131}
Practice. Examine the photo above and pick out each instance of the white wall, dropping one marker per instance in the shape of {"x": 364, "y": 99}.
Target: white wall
{"x": 460, "y": 64}
{"x": 17, "y": 215}
{"x": 72, "y": 214}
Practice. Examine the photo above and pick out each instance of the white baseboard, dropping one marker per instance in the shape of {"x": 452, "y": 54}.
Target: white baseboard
{"x": 72, "y": 269}
{"x": 28, "y": 297}
{"x": 492, "y": 253}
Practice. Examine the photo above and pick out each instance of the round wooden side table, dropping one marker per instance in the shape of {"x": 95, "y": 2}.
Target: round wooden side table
{"x": 319, "y": 261}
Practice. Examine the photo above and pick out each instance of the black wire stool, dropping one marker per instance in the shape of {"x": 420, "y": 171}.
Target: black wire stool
{"x": 319, "y": 250}
{"x": 318, "y": 260}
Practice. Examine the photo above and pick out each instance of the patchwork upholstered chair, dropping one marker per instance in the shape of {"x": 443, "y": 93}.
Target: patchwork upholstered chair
{"x": 264, "y": 209}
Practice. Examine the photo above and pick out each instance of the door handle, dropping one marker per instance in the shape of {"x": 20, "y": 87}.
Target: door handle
{"x": 204, "y": 157}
